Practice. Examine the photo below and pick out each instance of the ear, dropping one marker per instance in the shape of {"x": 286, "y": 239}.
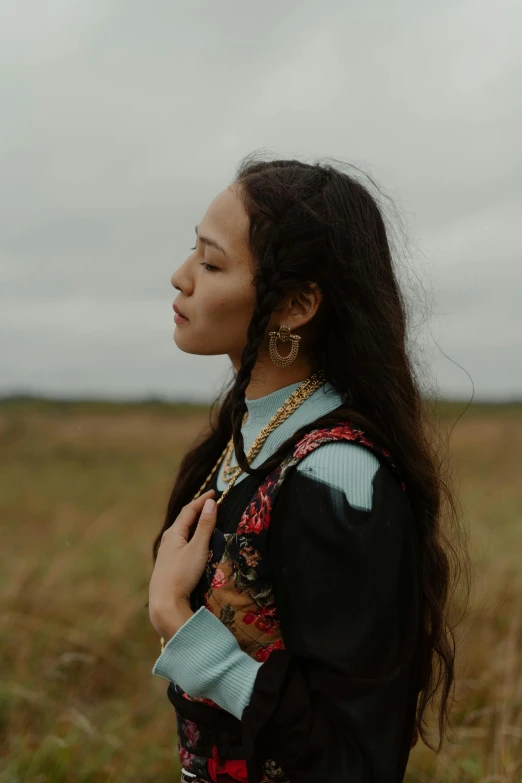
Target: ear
{"x": 302, "y": 306}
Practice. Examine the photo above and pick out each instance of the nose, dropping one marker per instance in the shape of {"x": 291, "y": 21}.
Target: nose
{"x": 176, "y": 280}
{"x": 183, "y": 278}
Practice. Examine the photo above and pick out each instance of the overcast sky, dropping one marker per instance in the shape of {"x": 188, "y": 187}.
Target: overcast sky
{"x": 121, "y": 120}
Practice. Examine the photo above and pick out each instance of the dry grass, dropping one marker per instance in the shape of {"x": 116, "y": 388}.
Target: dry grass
{"x": 83, "y": 492}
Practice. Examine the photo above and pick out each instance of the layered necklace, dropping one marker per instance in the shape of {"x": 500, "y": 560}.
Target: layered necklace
{"x": 231, "y": 474}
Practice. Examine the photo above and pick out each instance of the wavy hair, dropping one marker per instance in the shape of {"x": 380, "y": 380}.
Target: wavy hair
{"x": 317, "y": 224}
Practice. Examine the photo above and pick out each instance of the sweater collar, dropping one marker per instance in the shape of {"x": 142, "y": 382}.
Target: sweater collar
{"x": 261, "y": 410}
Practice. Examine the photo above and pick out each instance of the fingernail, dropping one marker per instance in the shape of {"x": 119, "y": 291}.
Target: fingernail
{"x": 209, "y": 506}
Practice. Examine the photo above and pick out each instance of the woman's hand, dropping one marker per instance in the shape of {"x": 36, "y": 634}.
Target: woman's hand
{"x": 179, "y": 565}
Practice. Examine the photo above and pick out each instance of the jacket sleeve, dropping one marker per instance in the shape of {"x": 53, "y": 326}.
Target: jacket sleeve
{"x": 205, "y": 659}
{"x": 338, "y": 703}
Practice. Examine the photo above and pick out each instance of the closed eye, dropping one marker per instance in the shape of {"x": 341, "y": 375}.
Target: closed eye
{"x": 208, "y": 267}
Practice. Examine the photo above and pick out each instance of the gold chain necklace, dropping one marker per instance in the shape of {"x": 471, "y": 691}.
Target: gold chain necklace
{"x": 283, "y": 412}
{"x": 303, "y": 391}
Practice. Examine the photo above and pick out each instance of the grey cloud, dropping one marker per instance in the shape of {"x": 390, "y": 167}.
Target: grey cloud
{"x": 122, "y": 120}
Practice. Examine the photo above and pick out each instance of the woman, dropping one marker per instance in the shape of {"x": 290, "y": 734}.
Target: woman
{"x": 305, "y": 613}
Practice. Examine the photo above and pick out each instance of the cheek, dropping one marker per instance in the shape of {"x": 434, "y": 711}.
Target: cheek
{"x": 234, "y": 305}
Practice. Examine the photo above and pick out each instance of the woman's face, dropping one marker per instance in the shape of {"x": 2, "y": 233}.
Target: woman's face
{"x": 216, "y": 291}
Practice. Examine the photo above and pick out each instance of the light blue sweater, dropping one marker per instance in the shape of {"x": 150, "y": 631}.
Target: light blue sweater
{"x": 203, "y": 656}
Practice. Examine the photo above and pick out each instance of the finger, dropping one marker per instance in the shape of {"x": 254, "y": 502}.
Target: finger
{"x": 189, "y": 513}
{"x": 206, "y": 525}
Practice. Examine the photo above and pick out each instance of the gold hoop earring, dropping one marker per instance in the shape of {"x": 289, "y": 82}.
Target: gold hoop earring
{"x": 284, "y": 335}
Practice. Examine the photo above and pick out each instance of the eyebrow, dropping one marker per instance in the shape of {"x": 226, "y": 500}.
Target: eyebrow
{"x": 209, "y": 242}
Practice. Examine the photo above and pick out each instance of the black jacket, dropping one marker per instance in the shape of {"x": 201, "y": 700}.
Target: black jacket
{"x": 338, "y": 702}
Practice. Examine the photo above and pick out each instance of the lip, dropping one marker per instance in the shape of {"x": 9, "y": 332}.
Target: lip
{"x": 179, "y": 313}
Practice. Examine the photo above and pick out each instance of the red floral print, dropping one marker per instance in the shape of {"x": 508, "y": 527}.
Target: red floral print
{"x": 250, "y": 555}
{"x": 264, "y": 652}
{"x": 256, "y": 516}
{"x": 265, "y": 619}
{"x": 219, "y": 579}
{"x": 185, "y": 757}
{"x": 191, "y": 732}
{"x": 226, "y": 769}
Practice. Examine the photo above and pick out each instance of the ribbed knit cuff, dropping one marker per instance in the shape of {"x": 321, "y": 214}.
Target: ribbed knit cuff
{"x": 205, "y": 659}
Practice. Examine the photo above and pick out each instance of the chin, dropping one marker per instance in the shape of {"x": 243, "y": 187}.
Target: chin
{"x": 178, "y": 342}
{"x": 183, "y": 344}
{"x": 194, "y": 349}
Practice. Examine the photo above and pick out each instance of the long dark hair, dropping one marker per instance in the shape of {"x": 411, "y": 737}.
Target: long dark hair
{"x": 316, "y": 224}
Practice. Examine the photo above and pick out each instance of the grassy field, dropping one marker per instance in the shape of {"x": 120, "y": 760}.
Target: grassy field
{"x": 83, "y": 492}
